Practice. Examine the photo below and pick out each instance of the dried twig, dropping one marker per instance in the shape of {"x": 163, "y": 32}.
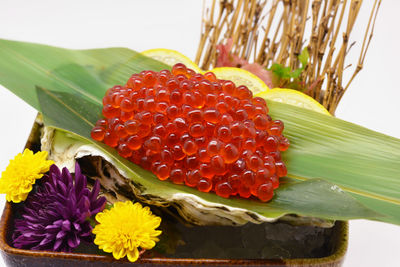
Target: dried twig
{"x": 276, "y": 31}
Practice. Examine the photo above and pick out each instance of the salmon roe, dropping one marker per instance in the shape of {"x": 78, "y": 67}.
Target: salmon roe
{"x": 196, "y": 130}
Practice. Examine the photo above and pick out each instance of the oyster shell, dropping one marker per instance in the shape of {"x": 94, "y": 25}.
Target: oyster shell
{"x": 65, "y": 148}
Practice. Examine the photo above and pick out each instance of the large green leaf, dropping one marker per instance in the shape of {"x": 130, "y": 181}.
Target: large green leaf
{"x": 315, "y": 197}
{"x": 84, "y": 72}
{"x": 67, "y": 86}
{"x": 362, "y": 162}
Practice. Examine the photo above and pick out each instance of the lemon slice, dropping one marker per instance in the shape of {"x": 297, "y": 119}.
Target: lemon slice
{"x": 171, "y": 57}
{"x": 293, "y": 97}
{"x": 241, "y": 77}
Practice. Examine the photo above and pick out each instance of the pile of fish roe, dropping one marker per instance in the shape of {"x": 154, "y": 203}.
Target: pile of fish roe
{"x": 196, "y": 130}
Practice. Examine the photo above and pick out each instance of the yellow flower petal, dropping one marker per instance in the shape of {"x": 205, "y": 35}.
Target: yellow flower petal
{"x": 133, "y": 255}
{"x": 21, "y": 173}
{"x": 119, "y": 253}
{"x": 124, "y": 228}
{"x": 147, "y": 244}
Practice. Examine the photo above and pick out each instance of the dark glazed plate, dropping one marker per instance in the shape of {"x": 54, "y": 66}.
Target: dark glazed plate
{"x": 336, "y": 247}
{"x": 20, "y": 257}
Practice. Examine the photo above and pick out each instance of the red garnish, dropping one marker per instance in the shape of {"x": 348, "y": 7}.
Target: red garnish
{"x": 196, "y": 130}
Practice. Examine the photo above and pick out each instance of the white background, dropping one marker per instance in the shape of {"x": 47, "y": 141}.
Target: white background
{"x": 372, "y": 101}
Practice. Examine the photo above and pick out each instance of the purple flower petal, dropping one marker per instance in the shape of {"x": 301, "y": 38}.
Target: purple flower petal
{"x": 95, "y": 190}
{"x": 98, "y": 205}
{"x": 54, "y": 170}
{"x": 78, "y": 170}
{"x": 62, "y": 188}
{"x": 55, "y": 216}
{"x": 61, "y": 235}
{"x": 73, "y": 241}
{"x": 66, "y": 177}
{"x": 77, "y": 226}
{"x": 27, "y": 217}
{"x": 80, "y": 180}
{"x": 52, "y": 226}
{"x": 57, "y": 245}
{"x": 66, "y": 225}
{"x": 45, "y": 241}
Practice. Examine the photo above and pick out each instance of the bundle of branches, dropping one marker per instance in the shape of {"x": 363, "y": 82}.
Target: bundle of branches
{"x": 299, "y": 44}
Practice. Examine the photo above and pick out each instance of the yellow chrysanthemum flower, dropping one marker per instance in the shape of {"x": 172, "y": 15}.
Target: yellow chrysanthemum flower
{"x": 21, "y": 173}
{"x": 124, "y": 228}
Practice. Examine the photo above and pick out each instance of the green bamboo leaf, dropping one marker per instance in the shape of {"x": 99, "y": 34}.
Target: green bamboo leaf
{"x": 62, "y": 69}
{"x": 362, "y": 162}
{"x": 68, "y": 85}
{"x": 315, "y": 197}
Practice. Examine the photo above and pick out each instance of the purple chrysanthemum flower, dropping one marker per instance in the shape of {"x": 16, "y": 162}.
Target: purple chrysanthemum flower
{"x": 56, "y": 216}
